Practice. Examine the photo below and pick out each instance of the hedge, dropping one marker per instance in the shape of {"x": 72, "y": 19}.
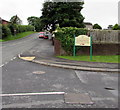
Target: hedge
{"x": 5, "y": 31}
{"x": 13, "y": 29}
{"x": 66, "y": 37}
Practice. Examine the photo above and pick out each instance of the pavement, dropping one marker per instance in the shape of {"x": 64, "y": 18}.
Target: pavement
{"x": 44, "y": 55}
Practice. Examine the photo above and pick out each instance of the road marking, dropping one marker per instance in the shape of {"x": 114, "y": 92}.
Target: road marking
{"x": 1, "y": 65}
{"x": 14, "y": 58}
{"x": 26, "y": 94}
{"x": 7, "y": 62}
{"x": 11, "y": 59}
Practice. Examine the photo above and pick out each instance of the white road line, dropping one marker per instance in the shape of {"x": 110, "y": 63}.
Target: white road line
{"x": 26, "y": 94}
{"x": 14, "y": 58}
{"x": 1, "y": 65}
{"x": 7, "y": 62}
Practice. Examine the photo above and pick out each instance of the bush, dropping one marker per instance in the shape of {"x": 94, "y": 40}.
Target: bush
{"x": 25, "y": 28}
{"x": 66, "y": 37}
{"x": 5, "y": 31}
{"x": 13, "y": 29}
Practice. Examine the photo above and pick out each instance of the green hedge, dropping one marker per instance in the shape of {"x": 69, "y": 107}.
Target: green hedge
{"x": 13, "y": 29}
{"x": 66, "y": 37}
{"x": 5, "y": 31}
{"x": 25, "y": 28}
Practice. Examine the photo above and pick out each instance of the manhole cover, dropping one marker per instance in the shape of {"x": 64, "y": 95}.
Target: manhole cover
{"x": 38, "y": 72}
{"x": 78, "y": 98}
{"x": 109, "y": 88}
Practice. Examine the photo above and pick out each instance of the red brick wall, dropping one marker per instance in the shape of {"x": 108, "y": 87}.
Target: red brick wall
{"x": 98, "y": 49}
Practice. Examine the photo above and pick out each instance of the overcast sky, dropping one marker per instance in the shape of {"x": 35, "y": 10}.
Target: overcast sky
{"x": 103, "y": 12}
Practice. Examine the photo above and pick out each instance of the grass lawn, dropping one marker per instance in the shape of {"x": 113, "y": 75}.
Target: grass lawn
{"x": 106, "y": 59}
{"x": 20, "y": 35}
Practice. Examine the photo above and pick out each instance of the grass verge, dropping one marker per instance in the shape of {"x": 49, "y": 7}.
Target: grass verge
{"x": 17, "y": 36}
{"x": 105, "y": 59}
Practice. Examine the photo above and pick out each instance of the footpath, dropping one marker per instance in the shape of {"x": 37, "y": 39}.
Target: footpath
{"x": 44, "y": 54}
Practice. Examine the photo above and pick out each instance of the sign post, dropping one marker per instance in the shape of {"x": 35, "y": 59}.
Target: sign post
{"x": 74, "y": 49}
{"x": 91, "y": 48}
{"x": 83, "y": 40}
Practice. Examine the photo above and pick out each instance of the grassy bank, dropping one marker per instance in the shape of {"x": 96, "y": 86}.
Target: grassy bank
{"x": 17, "y": 36}
{"x": 106, "y": 59}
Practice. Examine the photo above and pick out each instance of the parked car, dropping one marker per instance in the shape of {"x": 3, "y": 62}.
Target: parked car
{"x": 41, "y": 34}
{"x": 44, "y": 35}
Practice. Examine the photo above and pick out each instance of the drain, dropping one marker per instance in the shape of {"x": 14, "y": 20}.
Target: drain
{"x": 39, "y": 72}
{"x": 109, "y": 88}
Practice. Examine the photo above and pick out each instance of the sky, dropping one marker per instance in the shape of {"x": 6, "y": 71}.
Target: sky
{"x": 103, "y": 12}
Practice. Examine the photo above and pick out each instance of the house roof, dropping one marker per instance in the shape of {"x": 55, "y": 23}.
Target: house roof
{"x": 87, "y": 23}
{"x": 3, "y": 20}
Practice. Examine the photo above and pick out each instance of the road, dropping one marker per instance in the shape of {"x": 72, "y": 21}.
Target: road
{"x": 12, "y": 48}
{"x": 23, "y": 78}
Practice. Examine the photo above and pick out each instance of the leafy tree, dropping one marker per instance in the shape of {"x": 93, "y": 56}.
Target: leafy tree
{"x": 32, "y": 20}
{"x": 97, "y": 26}
{"x": 116, "y": 27}
{"x": 66, "y": 14}
{"x": 15, "y": 20}
{"x": 36, "y": 22}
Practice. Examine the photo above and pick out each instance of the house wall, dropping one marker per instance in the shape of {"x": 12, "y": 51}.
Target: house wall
{"x": 4, "y": 22}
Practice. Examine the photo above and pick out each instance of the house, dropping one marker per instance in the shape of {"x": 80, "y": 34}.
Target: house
{"x": 88, "y": 25}
{"x": 2, "y": 21}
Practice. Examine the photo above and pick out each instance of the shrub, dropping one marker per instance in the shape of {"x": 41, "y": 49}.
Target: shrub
{"x": 13, "y": 29}
{"x": 5, "y": 31}
{"x": 66, "y": 37}
{"x": 25, "y": 28}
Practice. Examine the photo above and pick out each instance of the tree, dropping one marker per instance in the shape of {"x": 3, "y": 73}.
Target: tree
{"x": 66, "y": 14}
{"x": 36, "y": 22}
{"x": 32, "y": 20}
{"x": 15, "y": 20}
{"x": 97, "y": 26}
{"x": 116, "y": 27}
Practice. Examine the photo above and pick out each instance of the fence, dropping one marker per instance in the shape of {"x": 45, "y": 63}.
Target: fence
{"x": 105, "y": 42}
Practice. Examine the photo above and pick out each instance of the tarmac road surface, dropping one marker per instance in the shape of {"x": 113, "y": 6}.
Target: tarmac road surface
{"x": 29, "y": 85}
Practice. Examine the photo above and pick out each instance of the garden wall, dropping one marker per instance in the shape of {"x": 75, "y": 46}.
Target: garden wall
{"x": 105, "y": 42}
